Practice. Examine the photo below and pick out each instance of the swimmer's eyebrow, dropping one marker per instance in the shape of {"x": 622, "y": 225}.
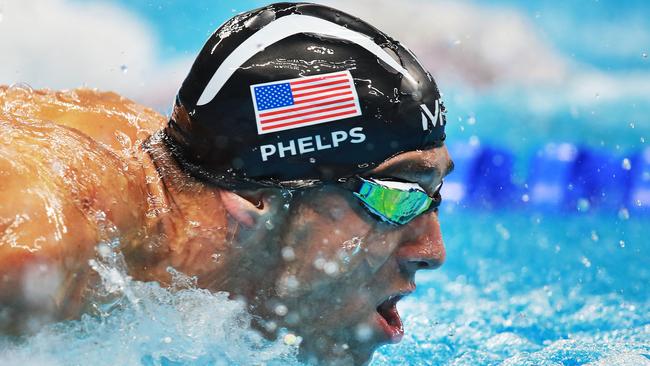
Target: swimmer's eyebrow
{"x": 418, "y": 172}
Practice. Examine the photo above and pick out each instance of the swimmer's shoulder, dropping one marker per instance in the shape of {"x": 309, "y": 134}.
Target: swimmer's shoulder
{"x": 106, "y": 117}
{"x": 59, "y": 189}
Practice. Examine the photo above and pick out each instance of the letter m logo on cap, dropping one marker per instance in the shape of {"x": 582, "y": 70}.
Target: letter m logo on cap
{"x": 294, "y": 103}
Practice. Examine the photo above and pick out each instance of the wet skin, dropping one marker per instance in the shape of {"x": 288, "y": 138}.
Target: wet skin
{"x": 82, "y": 167}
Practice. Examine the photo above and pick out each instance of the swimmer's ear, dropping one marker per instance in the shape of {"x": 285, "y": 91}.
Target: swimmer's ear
{"x": 243, "y": 209}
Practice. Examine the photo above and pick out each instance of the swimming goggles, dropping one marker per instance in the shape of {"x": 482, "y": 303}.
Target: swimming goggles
{"x": 394, "y": 202}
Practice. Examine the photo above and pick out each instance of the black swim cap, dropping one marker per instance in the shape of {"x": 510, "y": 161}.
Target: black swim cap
{"x": 297, "y": 92}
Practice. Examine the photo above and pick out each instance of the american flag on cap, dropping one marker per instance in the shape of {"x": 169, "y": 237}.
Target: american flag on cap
{"x": 294, "y": 103}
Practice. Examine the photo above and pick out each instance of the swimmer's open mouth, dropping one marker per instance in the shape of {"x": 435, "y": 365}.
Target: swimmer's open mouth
{"x": 390, "y": 320}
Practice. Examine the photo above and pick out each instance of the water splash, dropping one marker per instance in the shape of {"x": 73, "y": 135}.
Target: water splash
{"x": 150, "y": 325}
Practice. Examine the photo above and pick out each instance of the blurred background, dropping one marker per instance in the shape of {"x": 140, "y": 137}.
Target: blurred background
{"x": 548, "y": 105}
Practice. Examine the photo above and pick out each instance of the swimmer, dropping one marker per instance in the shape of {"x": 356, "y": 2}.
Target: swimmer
{"x": 300, "y": 170}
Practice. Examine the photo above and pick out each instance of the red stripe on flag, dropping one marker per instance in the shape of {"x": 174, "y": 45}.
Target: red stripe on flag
{"x": 321, "y": 98}
{"x": 321, "y": 91}
{"x": 309, "y": 120}
{"x": 319, "y": 85}
{"x": 268, "y": 114}
{"x": 350, "y": 105}
{"x": 310, "y": 79}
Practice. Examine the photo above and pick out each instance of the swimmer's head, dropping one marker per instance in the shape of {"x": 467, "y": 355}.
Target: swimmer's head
{"x": 294, "y": 93}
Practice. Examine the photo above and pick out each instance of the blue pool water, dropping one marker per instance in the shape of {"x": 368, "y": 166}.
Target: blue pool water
{"x": 525, "y": 288}
{"x": 518, "y": 288}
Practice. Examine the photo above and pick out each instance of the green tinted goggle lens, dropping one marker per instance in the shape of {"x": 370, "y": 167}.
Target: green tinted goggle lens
{"x": 397, "y": 203}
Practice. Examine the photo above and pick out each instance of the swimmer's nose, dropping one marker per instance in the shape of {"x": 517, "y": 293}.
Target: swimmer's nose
{"x": 422, "y": 246}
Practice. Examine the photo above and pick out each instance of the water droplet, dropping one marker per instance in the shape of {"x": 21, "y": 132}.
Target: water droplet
{"x": 331, "y": 268}
{"x": 21, "y": 88}
{"x": 312, "y": 160}
{"x": 621, "y": 243}
{"x": 271, "y": 326}
{"x": 319, "y": 263}
{"x": 594, "y": 235}
{"x": 167, "y": 340}
{"x": 471, "y": 120}
{"x": 583, "y": 205}
{"x": 216, "y": 257}
{"x": 644, "y": 55}
{"x": 124, "y": 69}
{"x": 290, "y": 339}
{"x": 281, "y": 310}
{"x": 364, "y": 332}
{"x": 624, "y": 214}
{"x": 505, "y": 234}
{"x": 104, "y": 250}
{"x": 288, "y": 254}
{"x": 451, "y": 331}
{"x": 269, "y": 225}
{"x": 625, "y": 164}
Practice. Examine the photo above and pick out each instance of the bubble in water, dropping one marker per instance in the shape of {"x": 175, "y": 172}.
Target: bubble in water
{"x": 644, "y": 55}
{"x": 167, "y": 340}
{"x": 124, "y": 69}
{"x": 525, "y": 198}
{"x": 626, "y": 164}
{"x": 621, "y": 243}
{"x": 312, "y": 160}
{"x": 585, "y": 262}
{"x": 269, "y": 225}
{"x": 471, "y": 120}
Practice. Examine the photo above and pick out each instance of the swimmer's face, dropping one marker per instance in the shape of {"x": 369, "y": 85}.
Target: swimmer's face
{"x": 343, "y": 269}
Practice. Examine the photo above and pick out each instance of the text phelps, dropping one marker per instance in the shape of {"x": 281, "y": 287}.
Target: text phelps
{"x": 310, "y": 144}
